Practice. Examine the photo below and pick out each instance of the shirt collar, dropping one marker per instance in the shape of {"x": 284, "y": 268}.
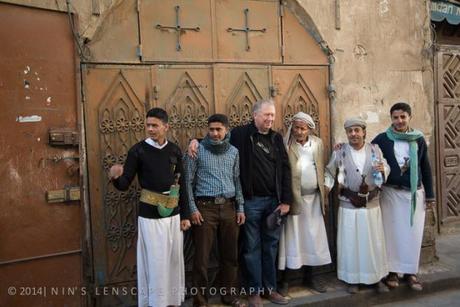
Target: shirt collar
{"x": 155, "y": 144}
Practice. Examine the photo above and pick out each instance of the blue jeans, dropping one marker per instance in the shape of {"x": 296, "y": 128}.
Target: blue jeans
{"x": 260, "y": 245}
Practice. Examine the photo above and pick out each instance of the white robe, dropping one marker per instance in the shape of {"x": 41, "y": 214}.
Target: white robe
{"x": 403, "y": 241}
{"x": 361, "y": 252}
{"x": 160, "y": 262}
{"x": 303, "y": 238}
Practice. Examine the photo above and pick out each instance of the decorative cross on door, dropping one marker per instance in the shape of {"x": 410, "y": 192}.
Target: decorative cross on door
{"x": 178, "y": 28}
{"x": 246, "y": 29}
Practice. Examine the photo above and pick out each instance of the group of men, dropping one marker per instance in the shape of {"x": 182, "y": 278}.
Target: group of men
{"x": 253, "y": 180}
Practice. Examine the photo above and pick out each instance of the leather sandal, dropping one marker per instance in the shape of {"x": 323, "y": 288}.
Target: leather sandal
{"x": 413, "y": 282}
{"x": 392, "y": 280}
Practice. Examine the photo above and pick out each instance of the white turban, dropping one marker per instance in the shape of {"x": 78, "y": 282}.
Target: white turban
{"x": 301, "y": 116}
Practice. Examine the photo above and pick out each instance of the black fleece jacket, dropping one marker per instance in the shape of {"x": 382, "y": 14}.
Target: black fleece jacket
{"x": 242, "y": 138}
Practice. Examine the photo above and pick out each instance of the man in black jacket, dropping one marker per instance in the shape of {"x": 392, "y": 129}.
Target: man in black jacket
{"x": 265, "y": 177}
{"x": 266, "y": 182}
{"x": 405, "y": 195}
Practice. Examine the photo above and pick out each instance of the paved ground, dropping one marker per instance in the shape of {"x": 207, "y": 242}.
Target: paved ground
{"x": 441, "y": 282}
{"x": 438, "y": 299}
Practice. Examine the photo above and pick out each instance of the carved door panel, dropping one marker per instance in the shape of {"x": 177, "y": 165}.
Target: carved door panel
{"x": 186, "y": 93}
{"x": 176, "y": 30}
{"x": 448, "y": 145}
{"x": 303, "y": 88}
{"x": 116, "y": 99}
{"x": 248, "y": 31}
{"x": 237, "y": 88}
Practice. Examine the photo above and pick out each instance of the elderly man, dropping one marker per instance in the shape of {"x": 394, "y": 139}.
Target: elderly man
{"x": 266, "y": 183}
{"x": 403, "y": 197}
{"x": 216, "y": 205}
{"x": 303, "y": 239}
{"x": 360, "y": 169}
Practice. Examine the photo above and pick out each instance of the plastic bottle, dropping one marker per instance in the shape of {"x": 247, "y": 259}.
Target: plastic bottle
{"x": 378, "y": 177}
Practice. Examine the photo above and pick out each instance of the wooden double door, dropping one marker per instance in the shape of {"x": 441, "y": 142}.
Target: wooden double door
{"x": 116, "y": 100}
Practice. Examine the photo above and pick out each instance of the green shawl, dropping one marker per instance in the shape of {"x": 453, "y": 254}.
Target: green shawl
{"x": 410, "y": 136}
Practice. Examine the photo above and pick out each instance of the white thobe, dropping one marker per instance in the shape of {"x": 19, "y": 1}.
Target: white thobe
{"x": 361, "y": 252}
{"x": 403, "y": 241}
{"x": 160, "y": 262}
{"x": 303, "y": 238}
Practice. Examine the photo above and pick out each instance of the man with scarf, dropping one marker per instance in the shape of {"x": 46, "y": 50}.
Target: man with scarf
{"x": 408, "y": 188}
{"x": 216, "y": 205}
{"x": 360, "y": 169}
{"x": 303, "y": 239}
{"x": 266, "y": 184}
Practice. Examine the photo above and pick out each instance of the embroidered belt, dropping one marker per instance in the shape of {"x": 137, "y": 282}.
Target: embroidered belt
{"x": 157, "y": 199}
{"x": 357, "y": 199}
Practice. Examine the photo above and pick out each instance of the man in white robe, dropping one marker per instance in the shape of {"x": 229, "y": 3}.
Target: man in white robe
{"x": 157, "y": 164}
{"x": 303, "y": 241}
{"x": 360, "y": 169}
{"x": 408, "y": 190}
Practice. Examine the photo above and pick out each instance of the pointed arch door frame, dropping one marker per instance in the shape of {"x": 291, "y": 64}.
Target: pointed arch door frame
{"x": 117, "y": 98}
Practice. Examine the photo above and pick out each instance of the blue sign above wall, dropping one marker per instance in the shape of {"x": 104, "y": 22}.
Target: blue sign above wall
{"x": 441, "y": 10}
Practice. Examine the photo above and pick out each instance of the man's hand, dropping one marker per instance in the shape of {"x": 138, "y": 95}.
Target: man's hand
{"x": 196, "y": 218}
{"x": 192, "y": 150}
{"x": 184, "y": 225}
{"x": 240, "y": 218}
{"x": 115, "y": 171}
{"x": 338, "y": 146}
{"x": 378, "y": 166}
{"x": 430, "y": 204}
{"x": 284, "y": 208}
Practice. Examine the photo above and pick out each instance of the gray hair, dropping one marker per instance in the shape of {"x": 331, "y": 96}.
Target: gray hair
{"x": 259, "y": 103}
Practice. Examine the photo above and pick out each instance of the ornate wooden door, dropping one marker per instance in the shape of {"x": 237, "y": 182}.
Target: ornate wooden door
{"x": 448, "y": 145}
{"x": 195, "y": 58}
{"x": 114, "y": 111}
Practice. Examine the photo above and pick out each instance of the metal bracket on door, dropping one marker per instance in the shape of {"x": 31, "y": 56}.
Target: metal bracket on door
{"x": 68, "y": 194}
{"x": 63, "y": 137}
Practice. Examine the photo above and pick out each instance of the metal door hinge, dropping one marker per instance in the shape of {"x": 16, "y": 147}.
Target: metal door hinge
{"x": 139, "y": 51}
{"x": 69, "y": 193}
{"x": 63, "y": 137}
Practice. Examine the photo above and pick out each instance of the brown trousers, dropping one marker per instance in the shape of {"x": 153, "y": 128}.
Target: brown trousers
{"x": 220, "y": 219}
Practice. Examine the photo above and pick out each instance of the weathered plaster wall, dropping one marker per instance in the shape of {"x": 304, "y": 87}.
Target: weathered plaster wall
{"x": 382, "y": 53}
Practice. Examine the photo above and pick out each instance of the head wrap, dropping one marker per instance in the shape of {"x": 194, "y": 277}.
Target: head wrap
{"x": 301, "y": 116}
{"x": 355, "y": 121}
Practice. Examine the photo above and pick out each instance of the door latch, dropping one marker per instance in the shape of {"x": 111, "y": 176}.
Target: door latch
{"x": 63, "y": 137}
{"x": 68, "y": 194}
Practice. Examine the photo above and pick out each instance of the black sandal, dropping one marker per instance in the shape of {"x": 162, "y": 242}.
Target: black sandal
{"x": 392, "y": 280}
